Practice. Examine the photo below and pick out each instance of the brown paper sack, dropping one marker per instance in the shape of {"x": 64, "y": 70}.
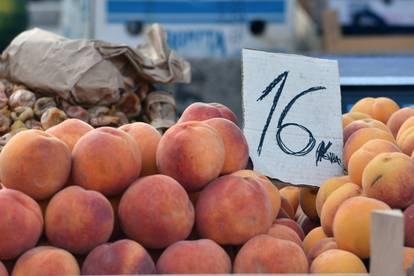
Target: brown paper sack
{"x": 89, "y": 72}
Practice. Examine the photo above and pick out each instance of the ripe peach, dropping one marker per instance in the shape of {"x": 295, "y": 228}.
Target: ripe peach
{"x": 307, "y": 200}
{"x": 78, "y": 220}
{"x": 406, "y": 141}
{"x": 389, "y": 177}
{"x": 286, "y": 208}
{"x": 292, "y": 225}
{"x": 226, "y": 112}
{"x": 21, "y": 223}
{"x": 240, "y": 202}
{"x": 199, "y": 111}
{"x": 352, "y": 224}
{"x": 117, "y": 231}
{"x": 46, "y": 260}
{"x": 349, "y": 117}
{"x": 147, "y": 137}
{"x": 156, "y": 211}
{"x": 364, "y": 123}
{"x": 35, "y": 163}
{"x": 360, "y": 137}
{"x": 409, "y": 123}
{"x": 291, "y": 193}
{"x": 333, "y": 202}
{"x": 271, "y": 190}
{"x": 283, "y": 232}
{"x": 3, "y": 270}
{"x": 192, "y": 153}
{"x": 398, "y": 118}
{"x": 70, "y": 131}
{"x": 327, "y": 188}
{"x": 194, "y": 257}
{"x": 235, "y": 145}
{"x": 106, "y": 160}
{"x": 360, "y": 159}
{"x": 312, "y": 238}
{"x": 265, "y": 254}
{"x": 409, "y": 226}
{"x": 337, "y": 261}
{"x": 120, "y": 257}
{"x": 408, "y": 257}
{"x": 378, "y": 108}
{"x": 320, "y": 247}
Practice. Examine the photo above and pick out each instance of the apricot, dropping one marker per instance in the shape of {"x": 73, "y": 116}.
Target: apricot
{"x": 199, "y": 111}
{"x": 70, "y": 131}
{"x": 314, "y": 236}
{"x": 35, "y": 163}
{"x": 78, "y": 220}
{"x": 155, "y": 211}
{"x": 192, "y": 153}
{"x": 283, "y": 232}
{"x": 398, "y": 118}
{"x": 21, "y": 223}
{"x": 271, "y": 190}
{"x": 327, "y": 188}
{"x": 265, "y": 254}
{"x": 337, "y": 261}
{"x": 364, "y": 123}
{"x": 147, "y": 137}
{"x": 389, "y": 177}
{"x": 46, "y": 260}
{"x": 292, "y": 225}
{"x": 307, "y": 200}
{"x": 320, "y": 247}
{"x": 120, "y": 257}
{"x": 333, "y": 202}
{"x": 360, "y": 137}
{"x": 409, "y": 226}
{"x": 194, "y": 257}
{"x": 233, "y": 209}
{"x": 408, "y": 257}
{"x": 380, "y": 108}
{"x": 352, "y": 224}
{"x": 291, "y": 193}
{"x": 409, "y": 123}
{"x": 349, "y": 117}
{"x": 360, "y": 159}
{"x": 406, "y": 141}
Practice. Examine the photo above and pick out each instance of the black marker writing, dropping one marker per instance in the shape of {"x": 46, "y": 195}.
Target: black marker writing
{"x": 323, "y": 154}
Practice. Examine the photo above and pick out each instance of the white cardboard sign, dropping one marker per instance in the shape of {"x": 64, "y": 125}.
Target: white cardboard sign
{"x": 292, "y": 116}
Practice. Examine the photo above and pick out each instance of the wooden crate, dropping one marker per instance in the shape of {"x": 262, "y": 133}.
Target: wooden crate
{"x": 335, "y": 42}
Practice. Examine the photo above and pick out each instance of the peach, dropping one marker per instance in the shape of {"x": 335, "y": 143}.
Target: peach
{"x": 156, "y": 211}
{"x": 312, "y": 238}
{"x": 378, "y": 108}
{"x": 78, "y": 220}
{"x": 46, "y": 260}
{"x": 349, "y": 117}
{"x": 117, "y": 231}
{"x": 307, "y": 200}
{"x": 70, "y": 131}
{"x": 406, "y": 141}
{"x": 409, "y": 123}
{"x": 352, "y": 224}
{"x": 120, "y": 257}
{"x": 398, "y": 118}
{"x": 409, "y": 226}
{"x": 147, "y": 137}
{"x": 360, "y": 159}
{"x": 233, "y": 209}
{"x": 271, "y": 190}
{"x": 283, "y": 232}
{"x": 194, "y": 257}
{"x": 106, "y": 160}
{"x": 320, "y": 247}
{"x": 192, "y": 153}
{"x": 337, "y": 261}
{"x": 226, "y": 112}
{"x": 3, "y": 270}
{"x": 364, "y": 123}
{"x": 291, "y": 193}
{"x": 327, "y": 188}
{"x": 282, "y": 214}
{"x": 292, "y": 225}
{"x": 199, "y": 111}
{"x": 235, "y": 145}
{"x": 333, "y": 202}
{"x": 389, "y": 177}
{"x": 21, "y": 223}
{"x": 286, "y": 207}
{"x": 360, "y": 137}
{"x": 408, "y": 257}
{"x": 265, "y": 254}
{"x": 35, "y": 163}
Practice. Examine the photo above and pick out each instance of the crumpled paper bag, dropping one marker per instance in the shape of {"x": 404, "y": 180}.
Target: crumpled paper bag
{"x": 89, "y": 72}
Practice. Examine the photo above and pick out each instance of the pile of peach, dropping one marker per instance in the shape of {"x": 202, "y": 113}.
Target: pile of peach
{"x": 129, "y": 201}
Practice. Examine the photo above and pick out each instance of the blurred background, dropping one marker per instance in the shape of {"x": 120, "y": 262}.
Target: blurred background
{"x": 373, "y": 40}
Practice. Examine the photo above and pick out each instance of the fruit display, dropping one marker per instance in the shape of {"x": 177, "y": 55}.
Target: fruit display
{"x": 80, "y": 199}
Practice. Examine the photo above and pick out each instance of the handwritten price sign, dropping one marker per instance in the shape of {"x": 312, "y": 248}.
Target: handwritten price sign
{"x": 292, "y": 116}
